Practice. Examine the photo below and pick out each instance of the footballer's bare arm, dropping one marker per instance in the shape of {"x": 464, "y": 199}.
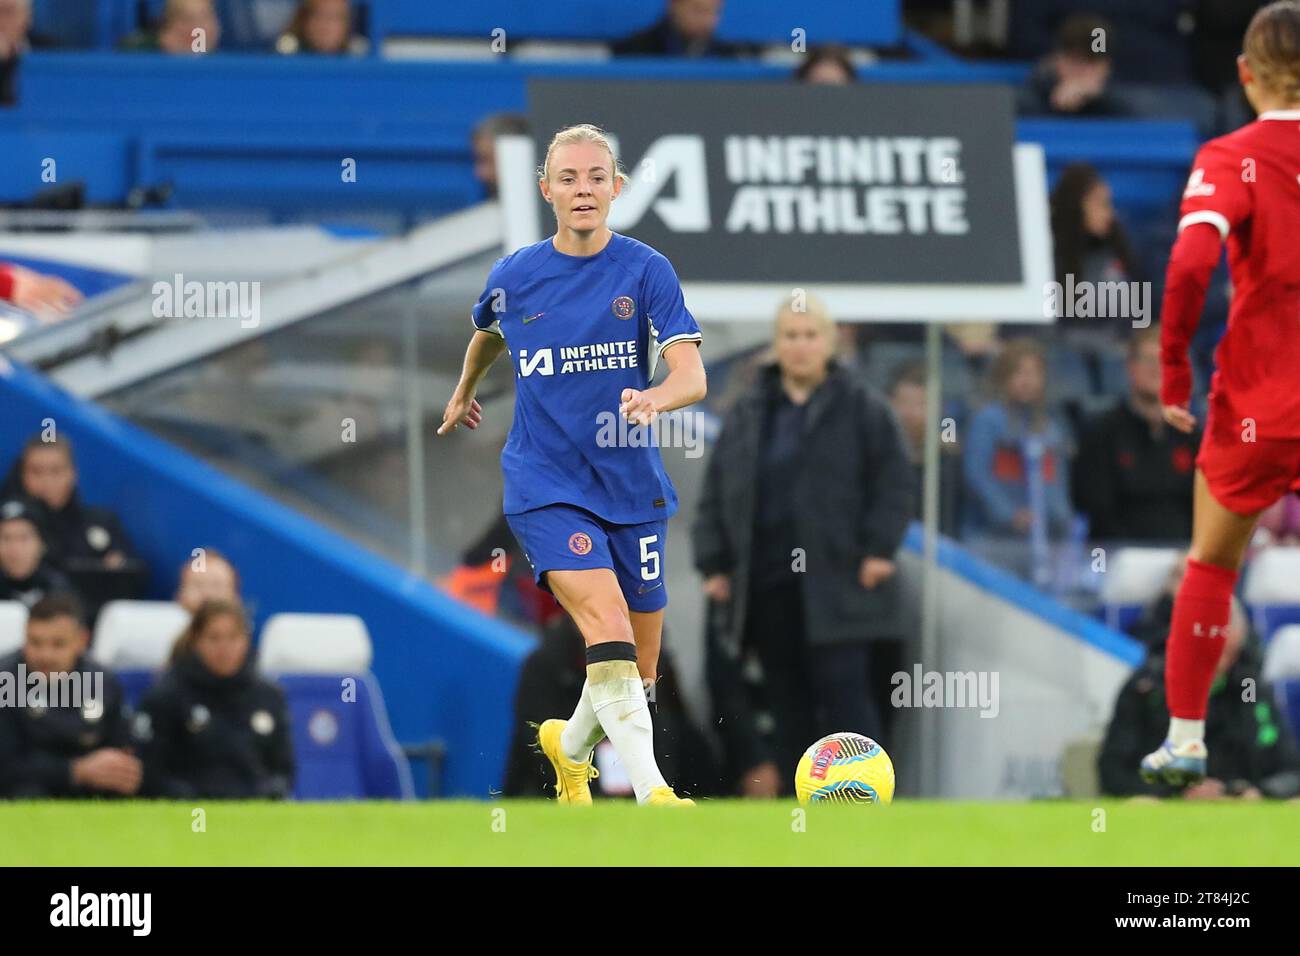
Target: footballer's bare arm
{"x": 684, "y": 384}
{"x": 464, "y": 409}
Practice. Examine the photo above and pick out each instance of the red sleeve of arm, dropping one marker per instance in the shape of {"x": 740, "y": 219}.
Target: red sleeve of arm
{"x": 1217, "y": 200}
{"x": 1191, "y": 264}
{"x": 6, "y": 282}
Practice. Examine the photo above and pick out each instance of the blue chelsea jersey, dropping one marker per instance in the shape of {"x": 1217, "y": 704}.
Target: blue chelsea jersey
{"x": 579, "y": 330}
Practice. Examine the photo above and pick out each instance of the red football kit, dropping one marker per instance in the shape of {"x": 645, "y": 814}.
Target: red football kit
{"x": 1244, "y": 190}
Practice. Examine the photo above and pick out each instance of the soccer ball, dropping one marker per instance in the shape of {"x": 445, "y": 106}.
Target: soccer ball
{"x": 845, "y": 768}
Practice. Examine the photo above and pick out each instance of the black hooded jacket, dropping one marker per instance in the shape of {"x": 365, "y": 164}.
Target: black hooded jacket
{"x": 39, "y": 743}
{"x": 201, "y": 735}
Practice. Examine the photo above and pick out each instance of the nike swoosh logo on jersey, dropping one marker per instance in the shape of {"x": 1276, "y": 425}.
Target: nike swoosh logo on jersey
{"x": 532, "y": 317}
{"x": 646, "y": 590}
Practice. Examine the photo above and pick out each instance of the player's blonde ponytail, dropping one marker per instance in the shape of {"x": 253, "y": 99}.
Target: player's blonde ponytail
{"x": 1272, "y": 48}
{"x": 582, "y": 133}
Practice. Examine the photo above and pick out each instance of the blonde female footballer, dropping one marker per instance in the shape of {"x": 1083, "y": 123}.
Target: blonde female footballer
{"x": 585, "y": 316}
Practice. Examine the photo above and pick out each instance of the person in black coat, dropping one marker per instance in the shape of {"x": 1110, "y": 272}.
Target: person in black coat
{"x": 1133, "y": 473}
{"x": 687, "y": 29}
{"x": 805, "y": 501}
{"x": 211, "y": 727}
{"x": 65, "y": 728}
{"x": 25, "y": 574}
{"x": 1252, "y": 751}
{"x": 78, "y": 535}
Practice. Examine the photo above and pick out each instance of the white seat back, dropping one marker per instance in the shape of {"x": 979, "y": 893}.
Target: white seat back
{"x": 138, "y": 635}
{"x": 1282, "y": 659}
{"x": 1137, "y": 575}
{"x": 315, "y": 644}
{"x": 13, "y": 626}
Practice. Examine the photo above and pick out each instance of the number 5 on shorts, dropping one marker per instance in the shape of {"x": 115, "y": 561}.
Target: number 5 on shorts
{"x": 649, "y": 559}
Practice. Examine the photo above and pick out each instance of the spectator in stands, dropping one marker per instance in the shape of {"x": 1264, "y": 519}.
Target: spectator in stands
{"x": 1252, "y": 751}
{"x": 1133, "y": 473}
{"x": 1002, "y": 499}
{"x": 907, "y": 397}
{"x": 186, "y": 27}
{"x": 1072, "y": 80}
{"x": 16, "y": 39}
{"x": 687, "y": 29}
{"x": 25, "y": 575}
{"x": 805, "y": 501}
{"x": 828, "y": 65}
{"x": 44, "y": 295}
{"x": 211, "y": 727}
{"x": 1090, "y": 242}
{"x": 552, "y": 676}
{"x": 74, "y": 739}
{"x": 209, "y": 577}
{"x": 484, "y": 142}
{"x": 320, "y": 26}
{"x": 79, "y": 536}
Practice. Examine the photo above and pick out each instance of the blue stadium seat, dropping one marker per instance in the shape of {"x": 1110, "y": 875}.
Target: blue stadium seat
{"x": 343, "y": 746}
{"x": 343, "y": 749}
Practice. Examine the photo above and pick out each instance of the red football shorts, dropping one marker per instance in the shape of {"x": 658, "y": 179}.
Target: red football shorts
{"x": 1246, "y": 476}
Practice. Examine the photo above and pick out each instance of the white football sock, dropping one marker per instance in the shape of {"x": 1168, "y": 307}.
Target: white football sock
{"x": 1184, "y": 731}
{"x": 583, "y": 731}
{"x": 618, "y": 698}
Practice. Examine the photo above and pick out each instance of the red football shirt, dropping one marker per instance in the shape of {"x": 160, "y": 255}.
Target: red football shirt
{"x": 1245, "y": 185}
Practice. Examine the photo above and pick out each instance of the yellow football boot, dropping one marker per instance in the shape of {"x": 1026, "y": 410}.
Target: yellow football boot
{"x": 571, "y": 777}
{"x": 664, "y": 797}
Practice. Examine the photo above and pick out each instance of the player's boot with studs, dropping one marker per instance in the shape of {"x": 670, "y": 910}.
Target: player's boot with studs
{"x": 1178, "y": 766}
{"x": 664, "y": 797}
{"x": 571, "y": 777}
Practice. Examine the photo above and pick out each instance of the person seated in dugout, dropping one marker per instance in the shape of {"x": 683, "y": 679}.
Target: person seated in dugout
{"x": 211, "y": 727}
{"x": 64, "y": 725}
{"x": 211, "y": 577}
{"x": 25, "y": 574}
{"x": 79, "y": 536}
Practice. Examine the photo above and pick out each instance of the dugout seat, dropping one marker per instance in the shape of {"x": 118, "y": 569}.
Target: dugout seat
{"x": 1272, "y": 590}
{"x": 1282, "y": 670}
{"x": 344, "y": 748}
{"x": 134, "y": 640}
{"x": 1134, "y": 578}
{"x": 13, "y": 626}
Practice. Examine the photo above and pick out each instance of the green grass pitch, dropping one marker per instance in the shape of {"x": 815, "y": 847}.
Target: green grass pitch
{"x": 535, "y": 833}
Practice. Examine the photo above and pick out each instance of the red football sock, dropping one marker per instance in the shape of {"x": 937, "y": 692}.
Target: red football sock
{"x": 1196, "y": 635}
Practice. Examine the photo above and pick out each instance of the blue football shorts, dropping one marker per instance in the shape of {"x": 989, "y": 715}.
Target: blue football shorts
{"x": 563, "y": 537}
